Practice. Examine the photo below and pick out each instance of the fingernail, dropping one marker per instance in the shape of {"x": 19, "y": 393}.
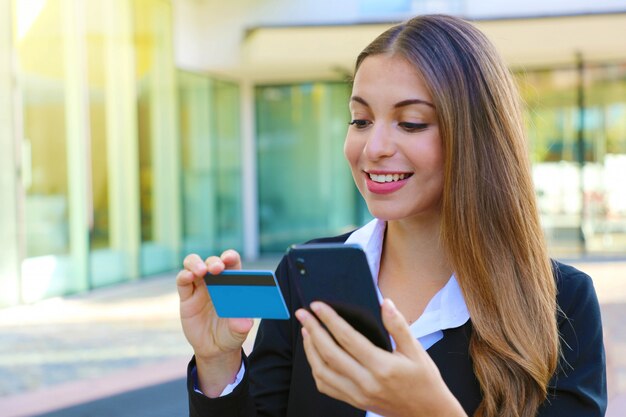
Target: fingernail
{"x": 301, "y": 315}
{"x": 200, "y": 265}
{"x": 316, "y": 307}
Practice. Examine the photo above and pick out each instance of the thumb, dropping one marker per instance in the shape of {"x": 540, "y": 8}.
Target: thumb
{"x": 398, "y": 328}
{"x": 240, "y": 327}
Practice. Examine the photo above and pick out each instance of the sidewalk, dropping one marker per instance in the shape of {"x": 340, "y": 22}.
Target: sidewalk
{"x": 116, "y": 351}
{"x": 120, "y": 351}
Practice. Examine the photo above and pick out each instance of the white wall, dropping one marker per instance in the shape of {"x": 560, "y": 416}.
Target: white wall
{"x": 498, "y": 8}
{"x": 209, "y": 34}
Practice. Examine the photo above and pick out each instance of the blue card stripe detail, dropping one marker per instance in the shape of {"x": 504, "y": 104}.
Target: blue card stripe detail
{"x": 248, "y": 301}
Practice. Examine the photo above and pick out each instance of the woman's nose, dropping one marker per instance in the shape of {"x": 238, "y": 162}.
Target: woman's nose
{"x": 380, "y": 143}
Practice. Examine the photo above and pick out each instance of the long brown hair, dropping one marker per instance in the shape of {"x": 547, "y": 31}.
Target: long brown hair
{"x": 490, "y": 224}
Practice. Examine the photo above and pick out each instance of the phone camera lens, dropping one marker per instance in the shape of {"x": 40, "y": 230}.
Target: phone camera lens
{"x": 300, "y": 266}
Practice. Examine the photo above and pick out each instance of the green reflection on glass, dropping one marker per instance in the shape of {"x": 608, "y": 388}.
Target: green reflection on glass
{"x": 211, "y": 162}
{"x": 305, "y": 186}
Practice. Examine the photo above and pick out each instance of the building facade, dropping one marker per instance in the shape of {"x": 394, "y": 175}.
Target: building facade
{"x": 133, "y": 132}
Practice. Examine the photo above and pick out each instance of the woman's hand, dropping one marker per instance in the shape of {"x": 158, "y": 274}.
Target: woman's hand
{"x": 352, "y": 369}
{"x": 216, "y": 342}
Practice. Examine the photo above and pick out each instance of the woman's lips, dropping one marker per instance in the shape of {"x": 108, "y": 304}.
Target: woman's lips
{"x": 385, "y": 182}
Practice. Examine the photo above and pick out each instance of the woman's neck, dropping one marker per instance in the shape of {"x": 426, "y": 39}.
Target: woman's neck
{"x": 413, "y": 265}
{"x": 416, "y": 246}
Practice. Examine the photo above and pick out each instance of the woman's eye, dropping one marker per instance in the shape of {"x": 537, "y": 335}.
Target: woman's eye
{"x": 412, "y": 127}
{"x": 360, "y": 123}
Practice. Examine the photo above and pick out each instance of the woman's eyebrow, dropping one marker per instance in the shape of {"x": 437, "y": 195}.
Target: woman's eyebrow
{"x": 413, "y": 101}
{"x": 402, "y": 103}
{"x": 359, "y": 100}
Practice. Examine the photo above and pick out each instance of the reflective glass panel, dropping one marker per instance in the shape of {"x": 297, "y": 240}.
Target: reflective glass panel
{"x": 582, "y": 209}
{"x": 157, "y": 132}
{"x": 552, "y": 126}
{"x": 52, "y": 149}
{"x": 605, "y": 166}
{"x": 42, "y": 84}
{"x": 305, "y": 185}
{"x": 113, "y": 222}
{"x": 211, "y": 164}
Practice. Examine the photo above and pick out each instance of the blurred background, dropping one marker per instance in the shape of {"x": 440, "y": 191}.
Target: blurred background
{"x": 133, "y": 132}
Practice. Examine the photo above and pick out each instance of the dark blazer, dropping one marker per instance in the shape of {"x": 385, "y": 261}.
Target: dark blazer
{"x": 278, "y": 379}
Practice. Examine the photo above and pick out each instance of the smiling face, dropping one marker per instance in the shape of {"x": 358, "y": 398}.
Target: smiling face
{"x": 393, "y": 144}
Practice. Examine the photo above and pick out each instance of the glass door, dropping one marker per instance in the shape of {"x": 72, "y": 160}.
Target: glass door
{"x": 211, "y": 164}
{"x": 157, "y": 131}
{"x": 9, "y": 182}
{"x": 53, "y": 149}
{"x": 305, "y": 185}
{"x": 114, "y": 203}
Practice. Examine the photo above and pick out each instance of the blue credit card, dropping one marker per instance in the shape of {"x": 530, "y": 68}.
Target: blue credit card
{"x": 246, "y": 294}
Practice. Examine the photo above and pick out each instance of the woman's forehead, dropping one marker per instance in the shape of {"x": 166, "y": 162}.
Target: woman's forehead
{"x": 393, "y": 76}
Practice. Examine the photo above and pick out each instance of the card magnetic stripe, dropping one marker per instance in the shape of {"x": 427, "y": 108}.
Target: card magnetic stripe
{"x": 250, "y": 280}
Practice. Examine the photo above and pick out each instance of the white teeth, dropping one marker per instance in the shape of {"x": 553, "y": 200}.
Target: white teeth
{"x": 387, "y": 178}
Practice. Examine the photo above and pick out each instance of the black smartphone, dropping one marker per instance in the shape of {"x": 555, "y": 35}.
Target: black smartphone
{"x": 339, "y": 275}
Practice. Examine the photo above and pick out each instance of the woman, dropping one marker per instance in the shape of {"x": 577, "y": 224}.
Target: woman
{"x": 483, "y": 322}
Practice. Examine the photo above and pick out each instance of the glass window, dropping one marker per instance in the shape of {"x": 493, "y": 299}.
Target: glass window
{"x": 113, "y": 223}
{"x": 44, "y": 131}
{"x": 47, "y": 114}
{"x": 552, "y": 124}
{"x": 374, "y": 8}
{"x": 605, "y": 167}
{"x": 157, "y": 132}
{"x": 225, "y": 119}
{"x": 305, "y": 185}
{"x": 581, "y": 210}
{"x": 96, "y": 83}
{"x": 211, "y": 164}
{"x": 10, "y": 262}
{"x": 96, "y": 40}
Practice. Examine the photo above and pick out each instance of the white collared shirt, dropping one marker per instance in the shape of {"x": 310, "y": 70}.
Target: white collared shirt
{"x": 446, "y": 310}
